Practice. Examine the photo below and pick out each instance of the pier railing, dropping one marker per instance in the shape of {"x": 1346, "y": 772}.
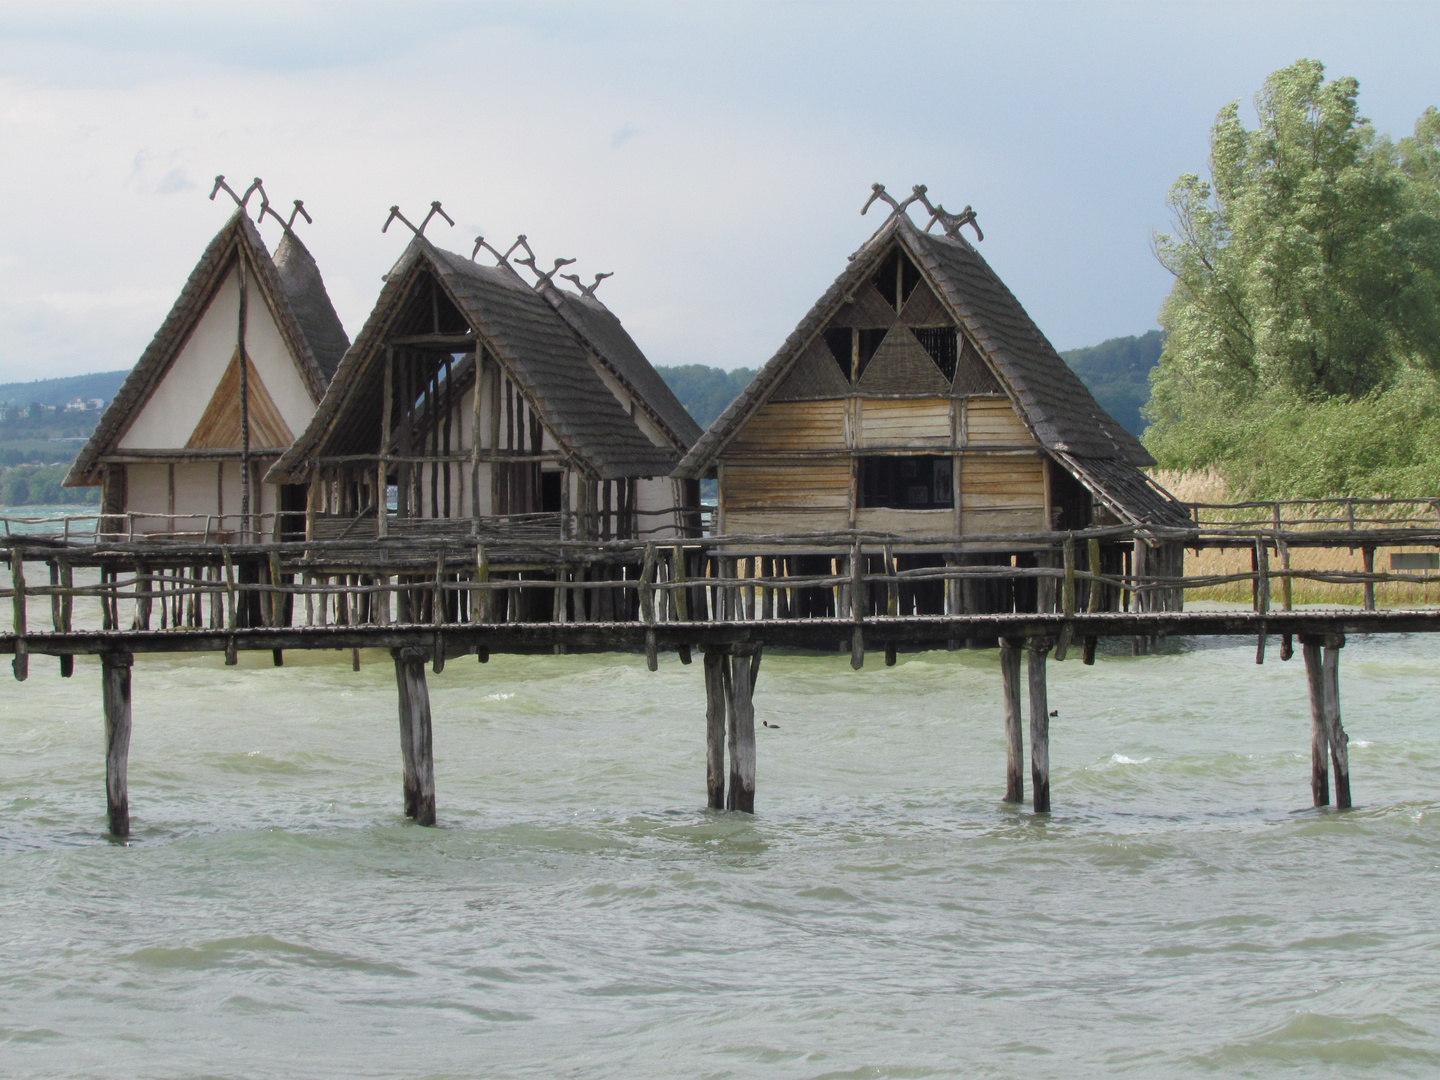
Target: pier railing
{"x": 176, "y": 584}
{"x": 426, "y": 596}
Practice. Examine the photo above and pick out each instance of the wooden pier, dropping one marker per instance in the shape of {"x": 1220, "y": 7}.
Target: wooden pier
{"x": 435, "y": 598}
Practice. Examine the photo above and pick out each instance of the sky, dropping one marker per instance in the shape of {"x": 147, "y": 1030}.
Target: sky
{"x": 713, "y": 156}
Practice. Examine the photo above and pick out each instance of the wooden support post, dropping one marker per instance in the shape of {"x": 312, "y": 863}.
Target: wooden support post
{"x": 857, "y": 607}
{"x": 1368, "y": 551}
{"x": 437, "y": 610}
{"x": 1067, "y": 597}
{"x": 892, "y": 600}
{"x": 277, "y": 598}
{"x": 739, "y": 690}
{"x": 143, "y": 604}
{"x": 1260, "y": 559}
{"x": 1014, "y": 738}
{"x": 231, "y": 656}
{"x": 1039, "y": 724}
{"x": 20, "y": 665}
{"x": 486, "y": 597}
{"x": 416, "y": 750}
{"x": 677, "y": 575}
{"x": 115, "y": 693}
{"x": 1319, "y": 737}
{"x": 1092, "y": 563}
{"x": 715, "y": 709}
{"x": 1339, "y": 741}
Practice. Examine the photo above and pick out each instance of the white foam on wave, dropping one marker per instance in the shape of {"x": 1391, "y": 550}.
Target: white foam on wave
{"x": 1121, "y": 759}
{"x": 499, "y": 697}
{"x": 1362, "y": 742}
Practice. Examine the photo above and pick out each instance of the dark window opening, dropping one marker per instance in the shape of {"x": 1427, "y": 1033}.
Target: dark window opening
{"x": 550, "y": 488}
{"x": 837, "y": 338}
{"x": 942, "y": 343}
{"x": 1071, "y": 506}
{"x": 293, "y": 498}
{"x": 907, "y": 483}
{"x": 869, "y": 341}
{"x": 896, "y": 279}
{"x": 909, "y": 278}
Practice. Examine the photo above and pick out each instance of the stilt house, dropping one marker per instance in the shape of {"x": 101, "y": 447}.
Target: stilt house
{"x": 918, "y": 399}
{"x": 194, "y": 428}
{"x": 493, "y": 405}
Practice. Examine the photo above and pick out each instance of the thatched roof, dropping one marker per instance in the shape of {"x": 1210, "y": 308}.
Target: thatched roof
{"x": 294, "y": 292}
{"x": 549, "y": 344}
{"x": 1057, "y": 407}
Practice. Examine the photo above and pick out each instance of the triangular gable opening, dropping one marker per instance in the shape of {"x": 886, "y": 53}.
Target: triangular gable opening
{"x": 219, "y": 426}
{"x": 902, "y": 366}
{"x": 896, "y": 278}
{"x": 428, "y": 309}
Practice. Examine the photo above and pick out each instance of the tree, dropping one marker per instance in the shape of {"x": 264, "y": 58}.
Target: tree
{"x": 1307, "y": 268}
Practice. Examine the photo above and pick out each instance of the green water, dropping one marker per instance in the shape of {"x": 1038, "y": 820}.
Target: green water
{"x": 1182, "y": 913}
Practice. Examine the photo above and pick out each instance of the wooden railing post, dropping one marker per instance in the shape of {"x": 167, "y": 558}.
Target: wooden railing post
{"x": 437, "y": 610}
{"x": 231, "y": 656}
{"x": 1092, "y": 603}
{"x": 857, "y": 607}
{"x": 677, "y": 578}
{"x": 1368, "y": 553}
{"x": 892, "y": 599}
{"x": 20, "y": 664}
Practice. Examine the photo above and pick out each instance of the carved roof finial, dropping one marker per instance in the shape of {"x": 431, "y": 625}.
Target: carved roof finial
{"x": 950, "y": 223}
{"x": 395, "y": 215}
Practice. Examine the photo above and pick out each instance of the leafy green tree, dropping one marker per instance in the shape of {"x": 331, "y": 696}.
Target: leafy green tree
{"x": 1306, "y": 269}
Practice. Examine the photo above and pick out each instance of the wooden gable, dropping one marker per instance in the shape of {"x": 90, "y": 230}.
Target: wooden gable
{"x": 219, "y": 427}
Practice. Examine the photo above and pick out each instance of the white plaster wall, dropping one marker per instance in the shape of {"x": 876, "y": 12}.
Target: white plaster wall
{"x": 656, "y": 493}
{"x": 169, "y": 417}
{"x": 147, "y": 489}
{"x": 195, "y": 491}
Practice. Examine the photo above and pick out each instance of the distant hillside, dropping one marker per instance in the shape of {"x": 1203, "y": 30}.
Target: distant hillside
{"x": 59, "y": 391}
{"x": 1118, "y": 374}
{"x": 705, "y": 391}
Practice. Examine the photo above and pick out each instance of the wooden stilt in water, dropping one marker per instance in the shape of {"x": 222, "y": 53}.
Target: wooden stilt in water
{"x": 1039, "y": 724}
{"x": 416, "y": 750}
{"x": 1014, "y": 738}
{"x": 1339, "y": 741}
{"x": 115, "y": 683}
{"x": 739, "y": 688}
{"x": 715, "y": 728}
{"x": 1319, "y": 735}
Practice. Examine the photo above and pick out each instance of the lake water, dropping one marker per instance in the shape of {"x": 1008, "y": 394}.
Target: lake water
{"x": 578, "y": 914}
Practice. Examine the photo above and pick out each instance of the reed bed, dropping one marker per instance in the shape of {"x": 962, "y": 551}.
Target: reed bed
{"x": 1208, "y": 486}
